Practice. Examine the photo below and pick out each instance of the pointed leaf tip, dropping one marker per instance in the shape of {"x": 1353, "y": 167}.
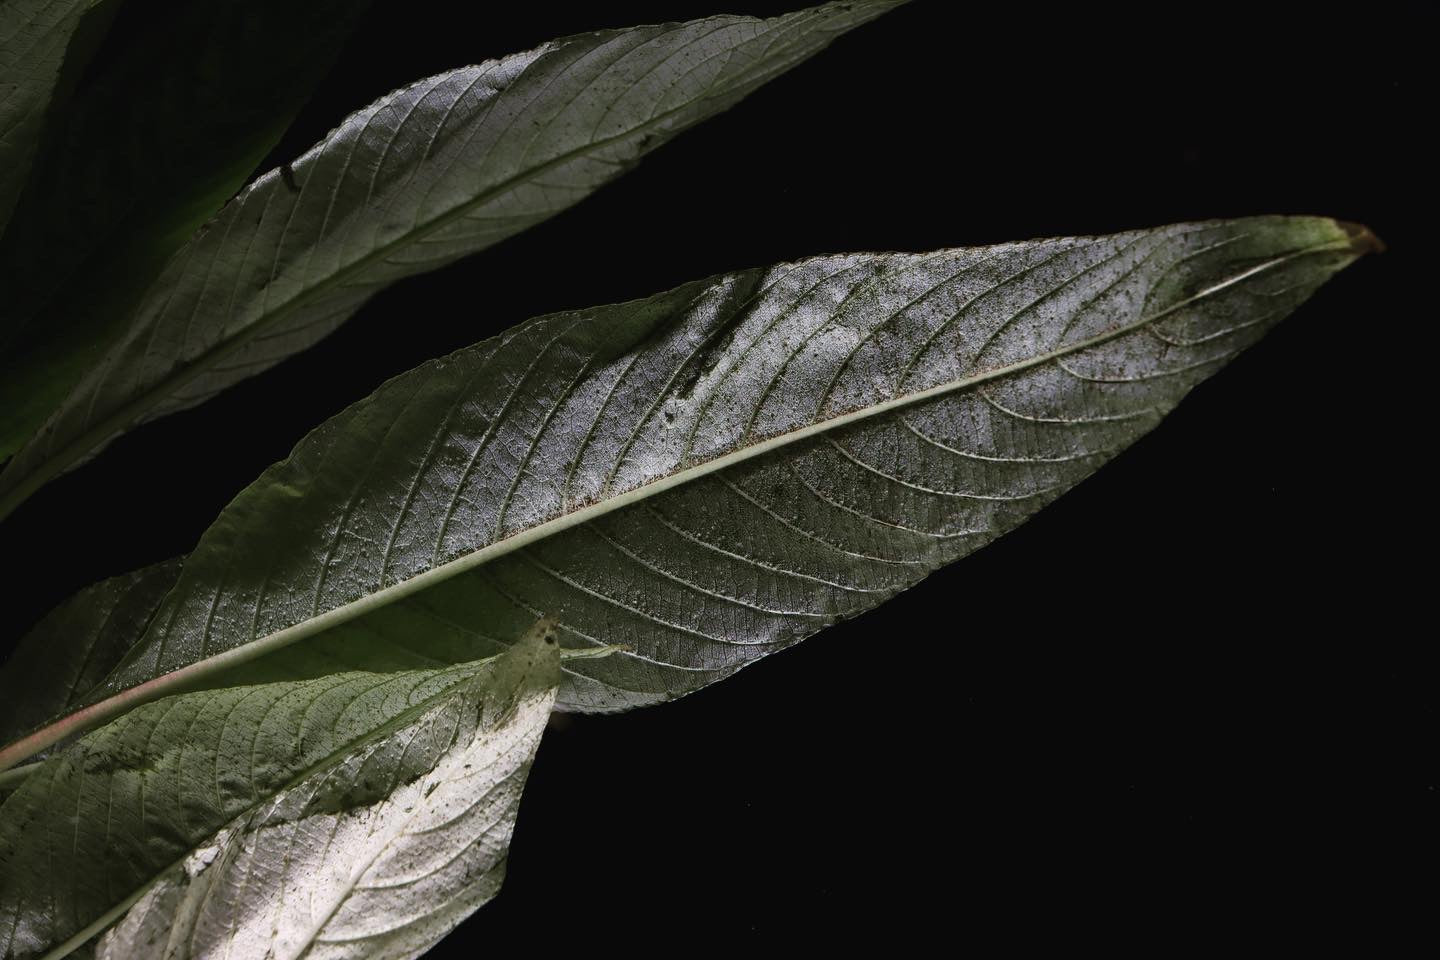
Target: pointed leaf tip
{"x": 1363, "y": 240}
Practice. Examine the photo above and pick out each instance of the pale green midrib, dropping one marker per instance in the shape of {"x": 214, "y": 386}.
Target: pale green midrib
{"x": 330, "y": 759}
{"x": 155, "y": 687}
{"x": 12, "y": 778}
{"x": 75, "y": 449}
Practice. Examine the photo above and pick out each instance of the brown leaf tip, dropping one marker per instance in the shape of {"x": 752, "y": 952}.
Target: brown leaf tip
{"x": 1362, "y": 239}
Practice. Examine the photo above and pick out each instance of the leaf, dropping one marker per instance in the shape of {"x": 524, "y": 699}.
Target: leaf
{"x": 717, "y": 472}
{"x": 34, "y": 38}
{"x": 429, "y": 174}
{"x": 178, "y": 109}
{"x": 77, "y": 644}
{"x": 357, "y": 815}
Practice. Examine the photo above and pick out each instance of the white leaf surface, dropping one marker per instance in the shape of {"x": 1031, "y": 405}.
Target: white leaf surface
{"x": 360, "y": 815}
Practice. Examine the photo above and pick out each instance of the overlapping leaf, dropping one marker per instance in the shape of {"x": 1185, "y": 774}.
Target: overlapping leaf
{"x": 180, "y": 106}
{"x": 424, "y": 176}
{"x": 717, "y": 472}
{"x": 34, "y": 35}
{"x": 357, "y": 815}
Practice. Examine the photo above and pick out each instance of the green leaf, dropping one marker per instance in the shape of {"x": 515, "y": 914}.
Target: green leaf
{"x": 356, "y": 815}
{"x": 76, "y": 645}
{"x": 715, "y": 473}
{"x": 429, "y": 174}
{"x": 34, "y": 39}
{"x": 172, "y": 117}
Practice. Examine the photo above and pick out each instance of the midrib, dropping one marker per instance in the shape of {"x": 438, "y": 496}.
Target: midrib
{"x": 155, "y": 687}
{"x": 330, "y": 759}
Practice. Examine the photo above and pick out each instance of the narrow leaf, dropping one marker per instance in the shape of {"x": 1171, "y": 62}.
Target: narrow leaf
{"x": 429, "y": 174}
{"x": 720, "y": 471}
{"x": 356, "y": 815}
{"x": 181, "y": 105}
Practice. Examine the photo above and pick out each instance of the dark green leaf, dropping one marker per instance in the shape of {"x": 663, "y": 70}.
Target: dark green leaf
{"x": 174, "y": 114}
{"x": 35, "y": 40}
{"x": 438, "y": 170}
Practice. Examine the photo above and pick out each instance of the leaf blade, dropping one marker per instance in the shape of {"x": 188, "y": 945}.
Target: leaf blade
{"x": 501, "y": 146}
{"x": 300, "y": 769}
{"x": 167, "y": 124}
{"x": 744, "y": 459}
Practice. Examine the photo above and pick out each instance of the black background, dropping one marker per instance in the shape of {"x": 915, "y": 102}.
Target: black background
{"x": 1186, "y": 693}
